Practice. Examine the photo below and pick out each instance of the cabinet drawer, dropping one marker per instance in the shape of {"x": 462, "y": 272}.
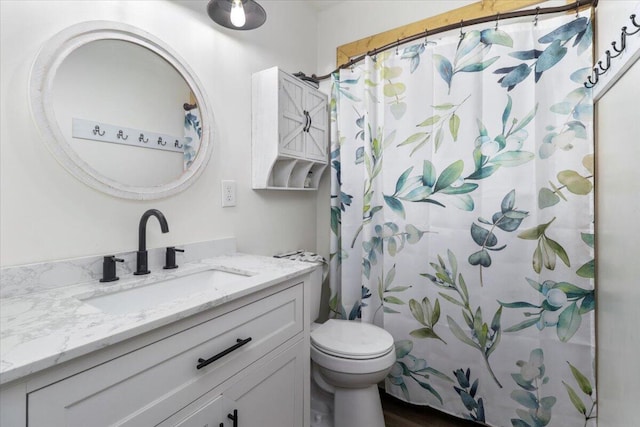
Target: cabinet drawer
{"x": 147, "y": 385}
{"x": 270, "y": 393}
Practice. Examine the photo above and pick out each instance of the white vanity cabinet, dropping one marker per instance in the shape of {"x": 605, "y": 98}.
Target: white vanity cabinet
{"x": 289, "y": 132}
{"x": 159, "y": 378}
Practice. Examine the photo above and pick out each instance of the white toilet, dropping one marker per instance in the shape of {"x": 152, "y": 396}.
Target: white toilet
{"x": 349, "y": 358}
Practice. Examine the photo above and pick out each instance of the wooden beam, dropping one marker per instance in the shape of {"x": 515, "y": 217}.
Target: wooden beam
{"x": 475, "y": 10}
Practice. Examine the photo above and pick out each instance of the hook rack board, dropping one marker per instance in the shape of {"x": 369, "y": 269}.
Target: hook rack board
{"x": 603, "y": 77}
{"x": 91, "y": 129}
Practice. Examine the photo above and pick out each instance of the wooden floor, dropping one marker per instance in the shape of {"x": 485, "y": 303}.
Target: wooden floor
{"x": 400, "y": 414}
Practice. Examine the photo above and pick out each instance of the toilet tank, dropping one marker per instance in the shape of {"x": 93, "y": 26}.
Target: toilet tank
{"x": 315, "y": 292}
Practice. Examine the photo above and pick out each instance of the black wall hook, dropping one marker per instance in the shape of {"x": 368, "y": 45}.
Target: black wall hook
{"x": 623, "y": 45}
{"x": 600, "y": 69}
{"x": 592, "y": 83}
{"x": 635, "y": 24}
{"x": 96, "y": 131}
{"x": 604, "y": 69}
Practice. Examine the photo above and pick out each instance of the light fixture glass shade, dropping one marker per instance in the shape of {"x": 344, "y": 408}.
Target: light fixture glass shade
{"x": 237, "y": 14}
{"x": 220, "y": 12}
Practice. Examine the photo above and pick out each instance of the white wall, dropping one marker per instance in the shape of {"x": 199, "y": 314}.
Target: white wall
{"x": 617, "y": 231}
{"x": 617, "y": 197}
{"x": 618, "y": 283}
{"x": 46, "y": 214}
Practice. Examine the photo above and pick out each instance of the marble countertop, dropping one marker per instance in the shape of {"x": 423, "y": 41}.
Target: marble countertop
{"x": 47, "y": 327}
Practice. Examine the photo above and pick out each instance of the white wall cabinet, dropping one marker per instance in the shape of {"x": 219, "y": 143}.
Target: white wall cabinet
{"x": 155, "y": 379}
{"x": 290, "y": 132}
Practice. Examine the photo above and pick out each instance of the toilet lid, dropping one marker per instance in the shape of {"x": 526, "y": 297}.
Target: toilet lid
{"x": 352, "y": 340}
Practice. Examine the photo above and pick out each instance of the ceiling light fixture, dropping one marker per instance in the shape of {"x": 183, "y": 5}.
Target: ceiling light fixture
{"x": 237, "y": 14}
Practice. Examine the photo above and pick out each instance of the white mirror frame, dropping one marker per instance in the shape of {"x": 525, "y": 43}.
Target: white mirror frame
{"x": 43, "y": 74}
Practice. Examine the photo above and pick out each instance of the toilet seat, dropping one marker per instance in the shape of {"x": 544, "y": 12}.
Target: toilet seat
{"x": 351, "y": 340}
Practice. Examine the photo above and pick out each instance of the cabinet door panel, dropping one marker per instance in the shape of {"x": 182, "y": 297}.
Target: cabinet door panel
{"x": 292, "y": 119}
{"x": 271, "y": 396}
{"x": 209, "y": 415}
{"x": 316, "y": 142}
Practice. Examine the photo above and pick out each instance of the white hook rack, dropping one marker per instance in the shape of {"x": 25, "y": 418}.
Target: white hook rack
{"x": 97, "y": 131}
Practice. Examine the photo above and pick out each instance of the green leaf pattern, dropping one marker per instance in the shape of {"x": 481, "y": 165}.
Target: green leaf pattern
{"x": 467, "y": 392}
{"x": 461, "y": 220}
{"x": 537, "y": 410}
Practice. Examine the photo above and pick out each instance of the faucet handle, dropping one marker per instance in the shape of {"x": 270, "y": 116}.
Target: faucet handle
{"x": 170, "y": 260}
{"x": 109, "y": 268}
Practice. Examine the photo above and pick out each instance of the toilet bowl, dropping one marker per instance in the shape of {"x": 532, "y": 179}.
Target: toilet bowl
{"x": 348, "y": 360}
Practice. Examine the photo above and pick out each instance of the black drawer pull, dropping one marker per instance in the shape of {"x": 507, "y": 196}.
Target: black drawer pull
{"x": 204, "y": 362}
{"x": 234, "y": 417}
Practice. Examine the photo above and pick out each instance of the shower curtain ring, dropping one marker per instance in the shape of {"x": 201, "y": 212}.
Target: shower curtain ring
{"x": 577, "y": 8}
{"x": 426, "y": 37}
{"x": 497, "y": 20}
{"x": 535, "y": 20}
{"x": 461, "y": 33}
{"x": 397, "y": 44}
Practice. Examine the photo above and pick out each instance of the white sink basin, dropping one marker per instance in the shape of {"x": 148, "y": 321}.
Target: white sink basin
{"x": 149, "y": 296}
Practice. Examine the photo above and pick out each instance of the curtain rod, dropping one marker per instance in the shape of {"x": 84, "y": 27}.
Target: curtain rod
{"x": 516, "y": 14}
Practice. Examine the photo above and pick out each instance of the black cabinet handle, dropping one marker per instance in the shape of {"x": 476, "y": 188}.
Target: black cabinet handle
{"x": 204, "y": 362}
{"x": 234, "y": 417}
{"x": 307, "y": 123}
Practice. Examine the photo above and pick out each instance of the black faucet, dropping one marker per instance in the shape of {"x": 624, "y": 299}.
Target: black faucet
{"x": 142, "y": 265}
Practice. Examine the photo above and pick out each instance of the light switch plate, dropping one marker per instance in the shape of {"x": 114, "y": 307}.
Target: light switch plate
{"x": 228, "y": 193}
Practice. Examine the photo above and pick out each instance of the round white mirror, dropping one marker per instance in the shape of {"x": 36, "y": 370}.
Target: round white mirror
{"x": 120, "y": 110}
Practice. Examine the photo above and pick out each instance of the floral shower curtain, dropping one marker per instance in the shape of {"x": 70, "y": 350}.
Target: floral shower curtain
{"x": 462, "y": 219}
{"x": 192, "y": 136}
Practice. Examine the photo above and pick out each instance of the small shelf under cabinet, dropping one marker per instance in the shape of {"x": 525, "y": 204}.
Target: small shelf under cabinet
{"x": 289, "y": 132}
